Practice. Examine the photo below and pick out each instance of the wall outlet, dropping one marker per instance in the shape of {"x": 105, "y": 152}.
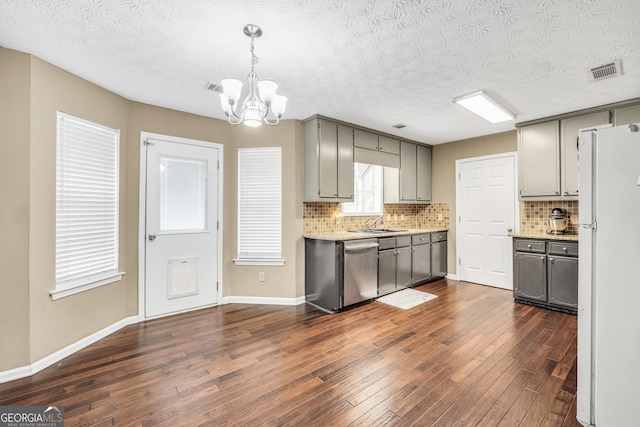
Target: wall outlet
{"x": 262, "y": 277}
{"x": 439, "y": 217}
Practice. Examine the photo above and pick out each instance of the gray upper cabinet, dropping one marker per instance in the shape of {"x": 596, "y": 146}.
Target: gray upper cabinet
{"x": 328, "y": 161}
{"x": 423, "y": 174}
{"x": 408, "y": 168}
{"x": 372, "y": 141}
{"x": 548, "y": 156}
{"x": 626, "y": 115}
{"x": 539, "y": 160}
{"x": 388, "y": 145}
{"x": 569, "y": 129}
{"x": 412, "y": 182}
{"x": 345, "y": 162}
{"x": 364, "y": 139}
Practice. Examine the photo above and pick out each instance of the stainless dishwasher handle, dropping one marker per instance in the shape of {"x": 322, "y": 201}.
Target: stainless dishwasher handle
{"x": 360, "y": 247}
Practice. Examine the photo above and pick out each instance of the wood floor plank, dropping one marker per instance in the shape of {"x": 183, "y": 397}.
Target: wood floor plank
{"x": 469, "y": 357}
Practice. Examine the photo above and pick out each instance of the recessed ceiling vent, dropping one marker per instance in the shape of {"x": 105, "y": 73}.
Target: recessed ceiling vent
{"x": 605, "y": 71}
{"x": 400, "y": 126}
{"x": 213, "y": 87}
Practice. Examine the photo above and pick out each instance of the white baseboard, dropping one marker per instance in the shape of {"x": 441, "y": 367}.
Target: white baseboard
{"x": 263, "y": 300}
{"x": 45, "y": 362}
{"x": 451, "y": 276}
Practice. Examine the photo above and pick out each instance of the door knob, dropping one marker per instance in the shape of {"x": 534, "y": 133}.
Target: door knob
{"x": 152, "y": 237}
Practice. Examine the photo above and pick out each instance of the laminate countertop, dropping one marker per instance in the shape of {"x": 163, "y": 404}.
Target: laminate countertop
{"x": 353, "y": 235}
{"x": 545, "y": 236}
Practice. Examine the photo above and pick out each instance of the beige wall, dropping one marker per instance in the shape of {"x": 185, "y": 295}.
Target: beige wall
{"x": 286, "y": 281}
{"x": 444, "y": 176}
{"x": 14, "y": 209}
{"x": 55, "y": 324}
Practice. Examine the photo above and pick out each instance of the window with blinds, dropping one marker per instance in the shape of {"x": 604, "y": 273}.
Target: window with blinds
{"x": 260, "y": 206}
{"x": 86, "y": 205}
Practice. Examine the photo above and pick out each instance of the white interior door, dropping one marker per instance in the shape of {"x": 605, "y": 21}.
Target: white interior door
{"x": 181, "y": 263}
{"x": 486, "y": 212}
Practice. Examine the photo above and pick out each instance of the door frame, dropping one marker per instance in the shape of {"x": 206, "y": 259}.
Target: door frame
{"x": 142, "y": 212}
{"x": 516, "y": 207}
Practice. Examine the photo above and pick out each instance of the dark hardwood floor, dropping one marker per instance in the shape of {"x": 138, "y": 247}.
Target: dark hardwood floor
{"x": 470, "y": 357}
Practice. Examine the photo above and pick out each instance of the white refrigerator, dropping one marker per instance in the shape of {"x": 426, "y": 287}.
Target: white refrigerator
{"x": 609, "y": 277}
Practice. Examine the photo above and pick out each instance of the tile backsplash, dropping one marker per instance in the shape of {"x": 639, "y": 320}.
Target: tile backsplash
{"x": 534, "y": 215}
{"x": 325, "y": 217}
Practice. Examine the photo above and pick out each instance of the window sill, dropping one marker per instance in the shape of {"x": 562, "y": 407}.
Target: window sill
{"x": 61, "y": 293}
{"x": 258, "y": 261}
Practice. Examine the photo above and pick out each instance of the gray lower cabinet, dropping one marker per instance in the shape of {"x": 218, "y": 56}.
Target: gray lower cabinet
{"x": 530, "y": 276}
{"x": 403, "y": 266}
{"x": 562, "y": 275}
{"x": 545, "y": 272}
{"x": 420, "y": 258}
{"x": 394, "y": 264}
{"x": 386, "y": 270}
{"x": 438, "y": 258}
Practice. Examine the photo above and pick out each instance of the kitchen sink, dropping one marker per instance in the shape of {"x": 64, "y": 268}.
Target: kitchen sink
{"x": 379, "y": 230}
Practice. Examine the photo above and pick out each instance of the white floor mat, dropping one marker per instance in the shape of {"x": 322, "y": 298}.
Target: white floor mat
{"x": 407, "y": 298}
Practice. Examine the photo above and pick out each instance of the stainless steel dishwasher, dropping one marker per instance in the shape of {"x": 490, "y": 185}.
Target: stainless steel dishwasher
{"x": 360, "y": 270}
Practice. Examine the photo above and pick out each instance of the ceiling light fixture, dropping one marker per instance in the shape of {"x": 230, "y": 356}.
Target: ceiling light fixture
{"x": 259, "y": 102}
{"x": 479, "y": 103}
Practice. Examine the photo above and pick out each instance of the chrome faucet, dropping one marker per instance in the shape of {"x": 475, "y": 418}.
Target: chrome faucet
{"x": 378, "y": 220}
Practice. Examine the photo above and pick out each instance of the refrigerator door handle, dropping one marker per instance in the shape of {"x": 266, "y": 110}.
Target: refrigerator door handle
{"x": 589, "y": 226}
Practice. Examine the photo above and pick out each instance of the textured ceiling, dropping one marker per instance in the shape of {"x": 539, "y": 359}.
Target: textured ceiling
{"x": 375, "y": 63}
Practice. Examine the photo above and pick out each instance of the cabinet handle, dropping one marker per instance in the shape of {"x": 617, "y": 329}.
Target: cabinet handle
{"x": 529, "y": 246}
{"x": 564, "y": 249}
{"x": 542, "y": 258}
{"x": 551, "y": 260}
{"x": 557, "y": 193}
{"x": 566, "y": 192}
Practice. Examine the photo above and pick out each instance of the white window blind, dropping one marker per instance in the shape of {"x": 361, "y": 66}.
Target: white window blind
{"x": 86, "y": 205}
{"x": 260, "y": 206}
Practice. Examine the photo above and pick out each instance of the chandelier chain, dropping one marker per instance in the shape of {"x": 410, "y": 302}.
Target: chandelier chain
{"x": 254, "y": 58}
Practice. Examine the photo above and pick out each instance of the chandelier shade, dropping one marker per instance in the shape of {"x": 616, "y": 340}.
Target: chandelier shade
{"x": 262, "y": 103}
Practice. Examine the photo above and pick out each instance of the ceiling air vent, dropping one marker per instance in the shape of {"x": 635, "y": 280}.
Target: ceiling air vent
{"x": 400, "y": 126}
{"x": 605, "y": 71}
{"x": 213, "y": 87}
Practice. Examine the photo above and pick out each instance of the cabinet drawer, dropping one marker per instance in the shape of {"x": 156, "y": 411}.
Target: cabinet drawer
{"x": 420, "y": 239}
{"x": 537, "y": 246}
{"x": 563, "y": 248}
{"x": 403, "y": 241}
{"x": 386, "y": 243}
{"x": 438, "y": 237}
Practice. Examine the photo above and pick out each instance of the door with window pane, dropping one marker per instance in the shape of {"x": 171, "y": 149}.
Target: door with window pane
{"x": 181, "y": 267}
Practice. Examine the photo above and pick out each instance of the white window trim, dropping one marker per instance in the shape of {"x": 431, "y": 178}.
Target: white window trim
{"x": 259, "y": 261}
{"x": 81, "y": 287}
{"x": 247, "y": 259}
{"x": 74, "y": 286}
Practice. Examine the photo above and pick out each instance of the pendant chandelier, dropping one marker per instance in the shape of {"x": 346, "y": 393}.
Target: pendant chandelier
{"x": 261, "y": 100}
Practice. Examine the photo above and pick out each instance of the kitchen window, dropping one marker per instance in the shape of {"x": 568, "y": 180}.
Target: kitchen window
{"x": 367, "y": 194}
{"x": 259, "y": 206}
{"x": 87, "y": 156}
